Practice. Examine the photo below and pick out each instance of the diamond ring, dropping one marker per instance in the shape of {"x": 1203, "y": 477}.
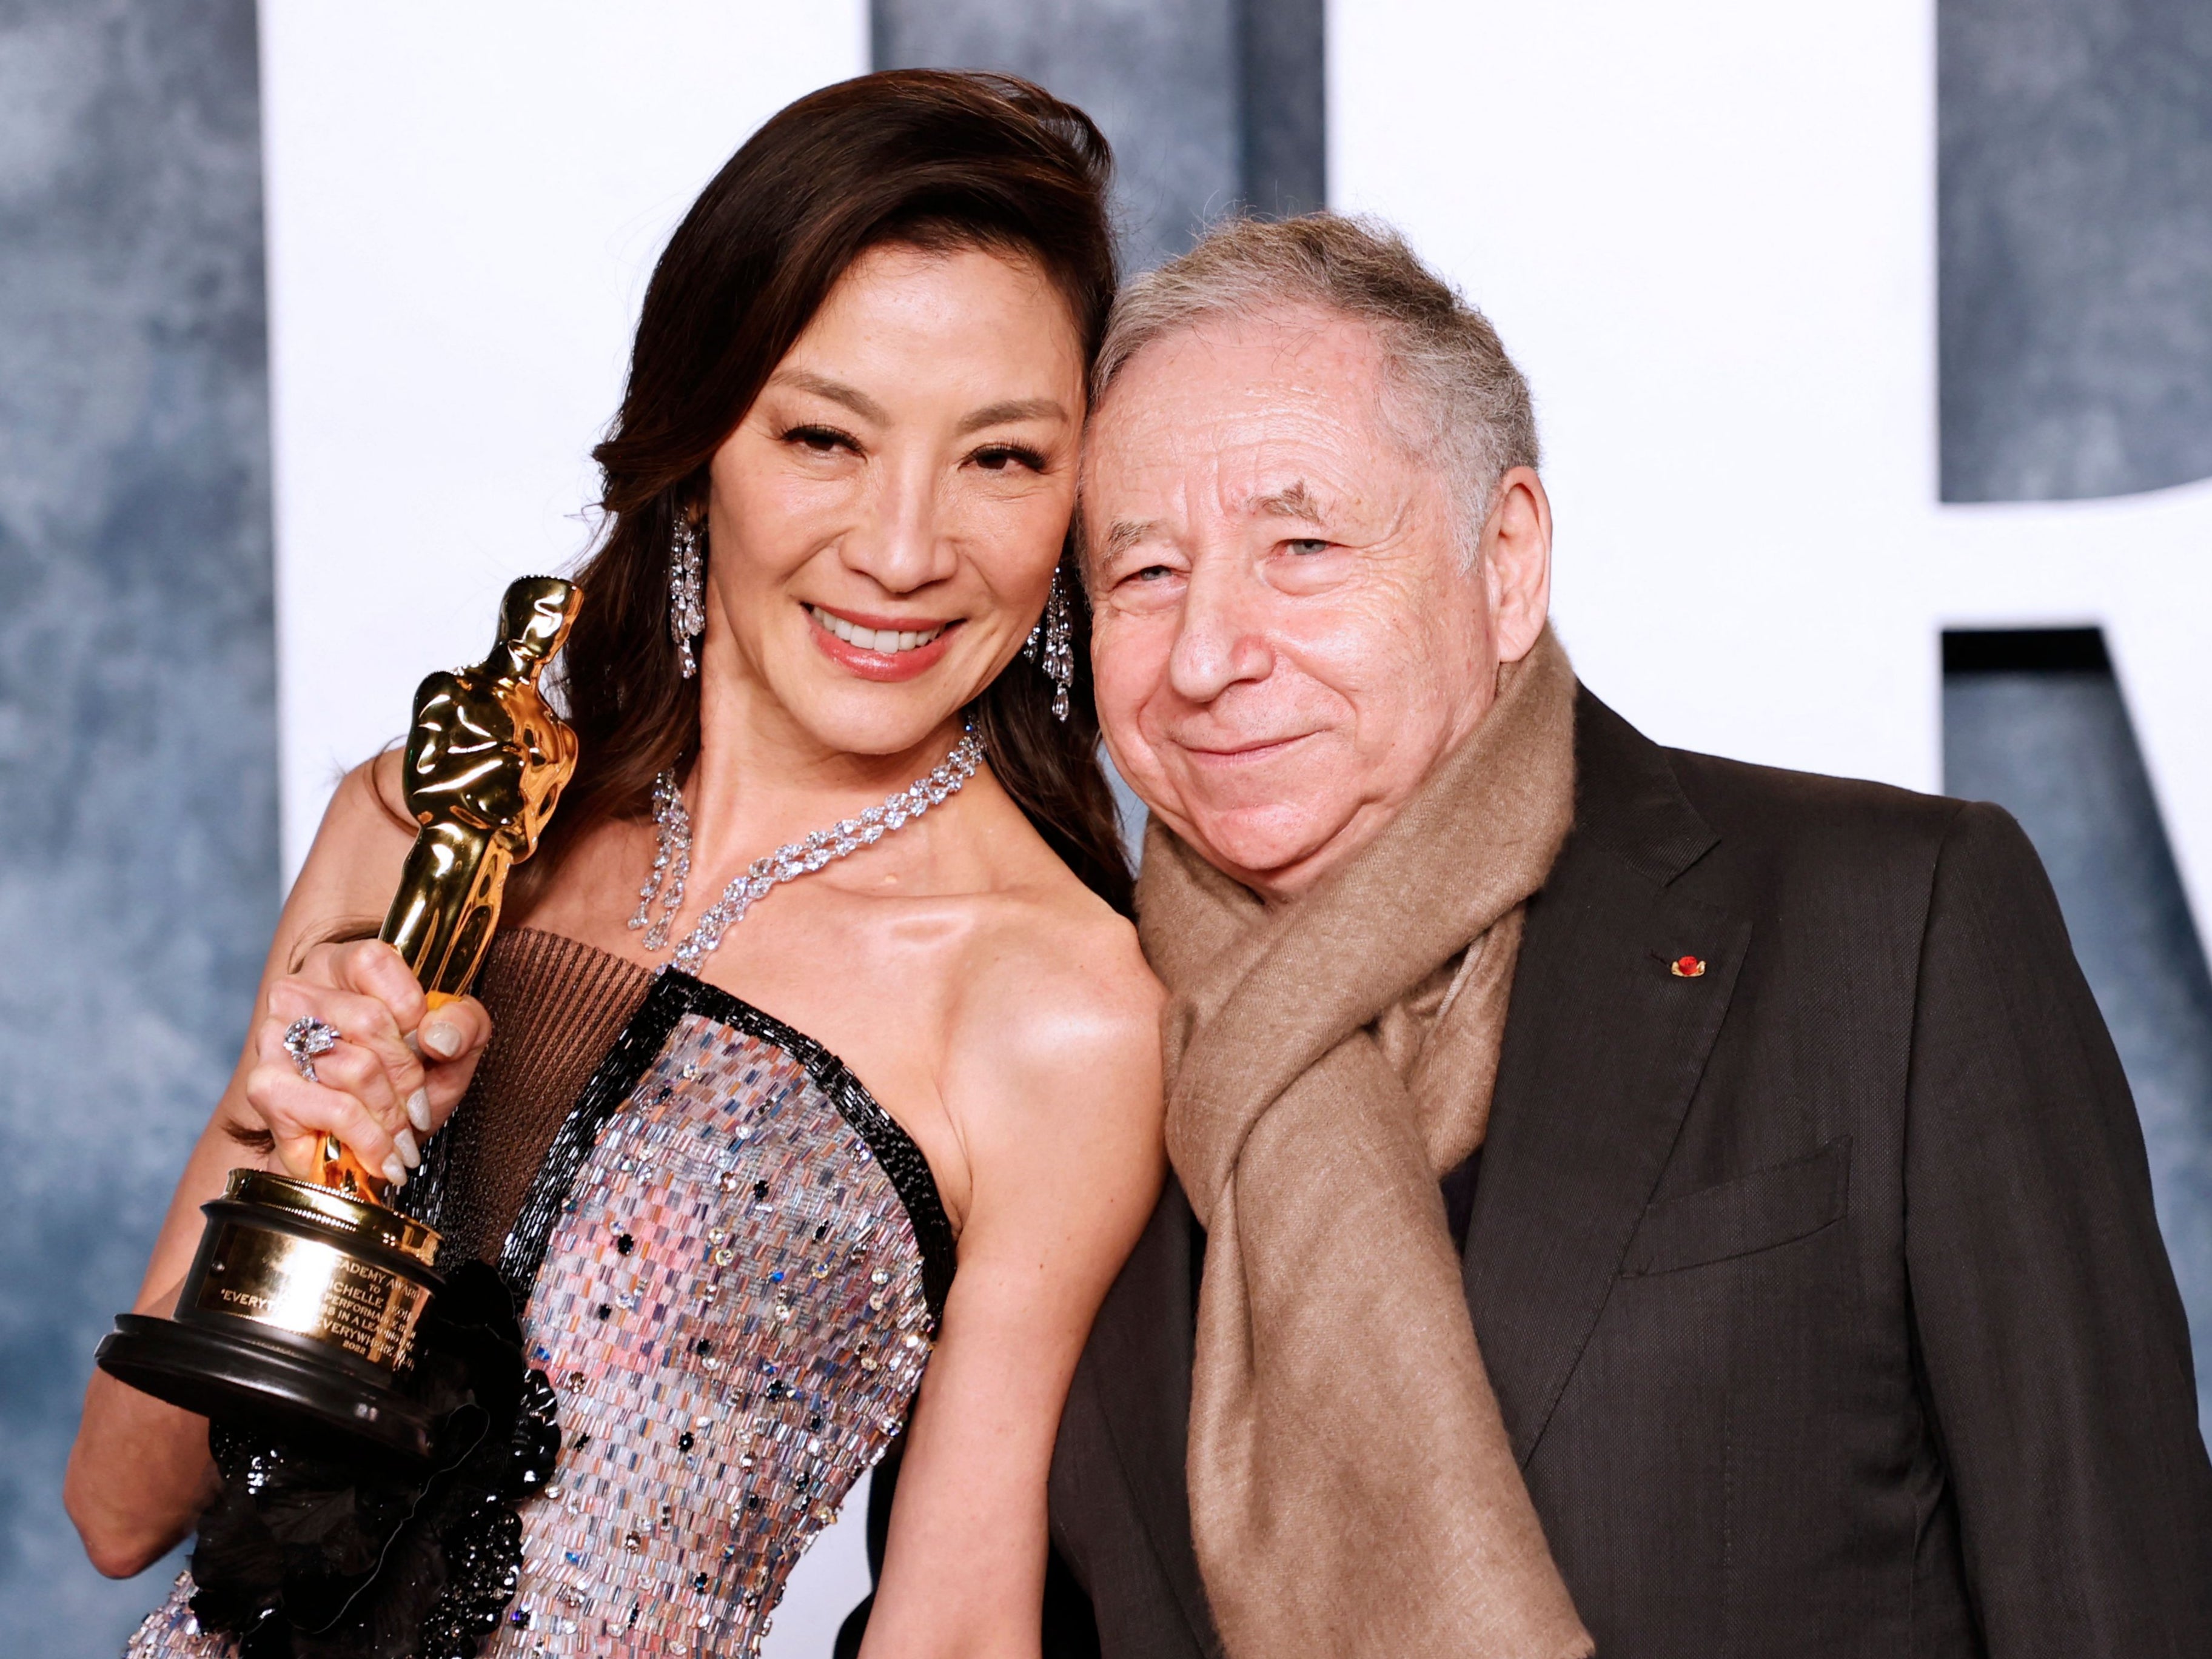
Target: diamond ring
{"x": 305, "y": 1037}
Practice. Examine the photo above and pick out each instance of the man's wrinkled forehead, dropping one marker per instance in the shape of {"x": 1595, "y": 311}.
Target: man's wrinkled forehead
{"x": 1278, "y": 416}
{"x": 1228, "y": 364}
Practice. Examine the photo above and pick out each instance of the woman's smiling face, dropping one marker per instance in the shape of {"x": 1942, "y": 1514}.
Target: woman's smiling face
{"x": 884, "y": 523}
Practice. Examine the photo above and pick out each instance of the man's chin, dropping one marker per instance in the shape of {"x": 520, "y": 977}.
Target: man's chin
{"x": 1259, "y": 845}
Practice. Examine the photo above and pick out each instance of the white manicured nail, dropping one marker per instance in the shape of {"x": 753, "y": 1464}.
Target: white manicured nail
{"x": 409, "y": 1151}
{"x": 395, "y": 1171}
{"x": 442, "y": 1040}
{"x": 418, "y": 1109}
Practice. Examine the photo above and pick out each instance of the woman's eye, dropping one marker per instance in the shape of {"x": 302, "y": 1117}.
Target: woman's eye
{"x": 999, "y": 457}
{"x": 821, "y": 440}
{"x": 1308, "y": 544}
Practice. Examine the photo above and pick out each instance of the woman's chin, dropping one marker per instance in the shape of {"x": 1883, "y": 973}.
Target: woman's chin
{"x": 875, "y": 718}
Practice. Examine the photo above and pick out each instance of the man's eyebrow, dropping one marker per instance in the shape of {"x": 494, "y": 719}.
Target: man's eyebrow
{"x": 835, "y": 391}
{"x": 1013, "y": 409}
{"x": 1295, "y": 502}
{"x": 1124, "y": 534}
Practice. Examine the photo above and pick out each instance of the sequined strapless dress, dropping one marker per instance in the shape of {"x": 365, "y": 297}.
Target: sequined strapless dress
{"x": 731, "y": 1263}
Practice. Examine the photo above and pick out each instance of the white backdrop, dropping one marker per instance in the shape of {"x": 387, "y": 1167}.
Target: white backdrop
{"x": 1707, "y": 232}
{"x": 465, "y": 202}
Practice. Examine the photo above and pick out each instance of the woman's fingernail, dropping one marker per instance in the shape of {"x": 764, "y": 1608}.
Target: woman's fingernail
{"x": 409, "y": 1153}
{"x": 395, "y": 1171}
{"x": 441, "y": 1040}
{"x": 418, "y": 1109}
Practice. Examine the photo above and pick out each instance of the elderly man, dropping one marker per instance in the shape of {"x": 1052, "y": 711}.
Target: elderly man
{"x": 1622, "y": 1195}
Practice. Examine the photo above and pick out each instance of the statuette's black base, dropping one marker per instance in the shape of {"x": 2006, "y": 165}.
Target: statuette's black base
{"x": 298, "y": 1315}
{"x": 243, "y": 1379}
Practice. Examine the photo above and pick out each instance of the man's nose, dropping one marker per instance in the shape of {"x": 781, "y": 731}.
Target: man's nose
{"x": 1221, "y": 637}
{"x": 902, "y": 541}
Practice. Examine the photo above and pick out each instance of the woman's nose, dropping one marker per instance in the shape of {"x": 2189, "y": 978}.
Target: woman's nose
{"x": 903, "y": 542}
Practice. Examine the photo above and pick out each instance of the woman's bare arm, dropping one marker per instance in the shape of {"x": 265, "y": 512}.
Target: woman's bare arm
{"x": 1056, "y": 1091}
{"x": 139, "y": 1473}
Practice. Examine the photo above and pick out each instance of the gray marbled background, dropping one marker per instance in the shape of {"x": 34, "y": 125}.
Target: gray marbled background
{"x": 138, "y": 745}
{"x": 2075, "y": 175}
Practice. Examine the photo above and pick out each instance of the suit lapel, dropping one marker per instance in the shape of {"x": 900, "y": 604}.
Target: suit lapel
{"x": 1603, "y": 1049}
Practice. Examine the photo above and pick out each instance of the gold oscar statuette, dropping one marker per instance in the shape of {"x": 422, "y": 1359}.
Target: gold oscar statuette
{"x": 301, "y": 1305}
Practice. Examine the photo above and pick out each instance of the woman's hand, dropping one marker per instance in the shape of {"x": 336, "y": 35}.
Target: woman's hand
{"x": 395, "y": 1074}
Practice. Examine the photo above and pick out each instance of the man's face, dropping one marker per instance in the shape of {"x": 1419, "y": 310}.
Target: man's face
{"x": 1289, "y": 634}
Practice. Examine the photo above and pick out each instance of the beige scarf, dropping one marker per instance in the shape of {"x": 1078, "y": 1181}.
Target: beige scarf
{"x": 1352, "y": 1488}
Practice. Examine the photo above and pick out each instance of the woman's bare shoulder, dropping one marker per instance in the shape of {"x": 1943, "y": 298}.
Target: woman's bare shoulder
{"x": 1057, "y": 1019}
{"x": 1054, "y": 1086}
{"x": 1045, "y": 943}
{"x": 1053, "y": 946}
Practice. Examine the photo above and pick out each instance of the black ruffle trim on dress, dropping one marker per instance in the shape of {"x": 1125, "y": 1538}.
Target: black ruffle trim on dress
{"x": 320, "y": 1550}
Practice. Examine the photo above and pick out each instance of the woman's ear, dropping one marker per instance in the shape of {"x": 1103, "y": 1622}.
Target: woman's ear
{"x": 1516, "y": 562}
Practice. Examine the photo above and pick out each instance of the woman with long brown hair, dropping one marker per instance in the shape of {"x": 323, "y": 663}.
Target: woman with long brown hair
{"x": 819, "y": 1047}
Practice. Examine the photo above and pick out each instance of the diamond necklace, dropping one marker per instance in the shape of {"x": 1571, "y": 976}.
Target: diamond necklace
{"x": 672, "y": 858}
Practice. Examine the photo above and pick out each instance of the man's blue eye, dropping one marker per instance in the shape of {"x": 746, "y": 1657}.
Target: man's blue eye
{"x": 1308, "y": 544}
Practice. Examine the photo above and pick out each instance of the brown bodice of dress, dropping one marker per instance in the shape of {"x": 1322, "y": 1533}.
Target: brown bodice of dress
{"x": 556, "y": 1006}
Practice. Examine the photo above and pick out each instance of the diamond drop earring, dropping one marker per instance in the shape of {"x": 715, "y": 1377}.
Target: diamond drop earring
{"x": 687, "y": 600}
{"x": 1047, "y": 645}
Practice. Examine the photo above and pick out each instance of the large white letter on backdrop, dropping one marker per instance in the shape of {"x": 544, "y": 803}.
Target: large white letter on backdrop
{"x": 1707, "y": 232}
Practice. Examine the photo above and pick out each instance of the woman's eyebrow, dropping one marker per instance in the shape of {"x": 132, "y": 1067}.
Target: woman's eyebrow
{"x": 835, "y": 391}
{"x": 1013, "y": 409}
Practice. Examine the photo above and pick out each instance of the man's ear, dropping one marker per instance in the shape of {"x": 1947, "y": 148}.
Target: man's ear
{"x": 1516, "y": 562}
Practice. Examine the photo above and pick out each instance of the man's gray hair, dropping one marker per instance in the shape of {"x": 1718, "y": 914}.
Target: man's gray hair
{"x": 1460, "y": 396}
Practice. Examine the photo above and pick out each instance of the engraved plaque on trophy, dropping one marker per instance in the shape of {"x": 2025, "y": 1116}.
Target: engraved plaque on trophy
{"x": 301, "y": 1305}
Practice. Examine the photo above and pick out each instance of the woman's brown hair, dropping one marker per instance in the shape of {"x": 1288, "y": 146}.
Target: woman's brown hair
{"x": 933, "y": 158}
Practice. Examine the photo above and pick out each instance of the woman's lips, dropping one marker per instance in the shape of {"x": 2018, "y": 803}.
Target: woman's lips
{"x": 883, "y": 648}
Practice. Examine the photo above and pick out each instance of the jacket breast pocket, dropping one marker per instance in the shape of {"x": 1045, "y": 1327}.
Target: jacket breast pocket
{"x": 1753, "y": 1213}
